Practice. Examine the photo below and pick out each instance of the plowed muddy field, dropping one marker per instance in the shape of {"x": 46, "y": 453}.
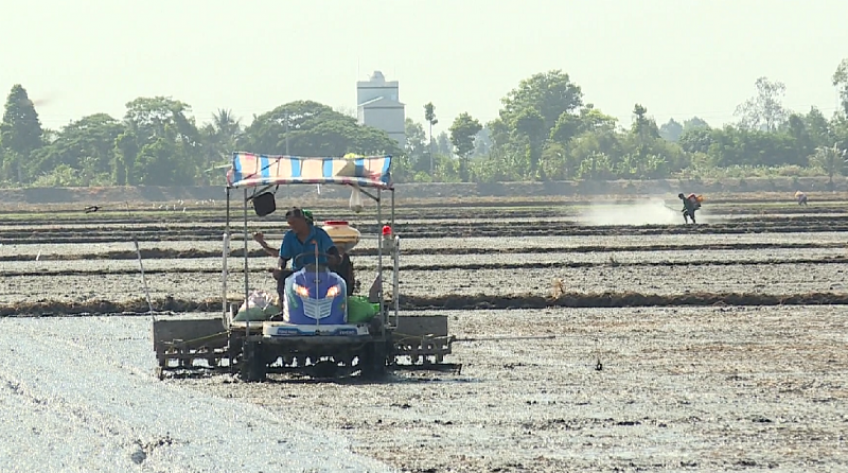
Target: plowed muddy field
{"x": 714, "y": 347}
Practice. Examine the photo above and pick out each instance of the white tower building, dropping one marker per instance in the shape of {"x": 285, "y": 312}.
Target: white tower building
{"x": 378, "y": 105}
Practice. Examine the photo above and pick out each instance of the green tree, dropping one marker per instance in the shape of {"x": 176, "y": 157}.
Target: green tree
{"x": 62, "y": 176}
{"x": 840, "y": 80}
{"x": 646, "y": 154}
{"x": 671, "y": 130}
{"x": 593, "y": 119}
{"x": 219, "y": 139}
{"x": 765, "y": 111}
{"x": 551, "y": 94}
{"x": 838, "y": 128}
{"x": 126, "y": 147}
{"x": 314, "y": 129}
{"x": 696, "y": 140}
{"x": 539, "y": 121}
{"x": 226, "y": 132}
{"x": 430, "y": 117}
{"x": 544, "y": 130}
{"x": 530, "y": 125}
{"x": 547, "y": 96}
{"x": 151, "y": 118}
{"x": 416, "y": 145}
{"x": 20, "y": 132}
{"x": 443, "y": 145}
{"x": 733, "y": 146}
{"x": 556, "y": 161}
{"x": 831, "y": 159}
{"x": 796, "y": 128}
{"x": 594, "y": 152}
{"x": 482, "y": 142}
{"x": 567, "y": 126}
{"x": 818, "y": 127}
{"x": 85, "y": 144}
{"x": 462, "y": 135}
{"x": 119, "y": 170}
{"x": 161, "y": 125}
{"x": 643, "y": 127}
{"x": 695, "y": 123}
{"x": 163, "y": 163}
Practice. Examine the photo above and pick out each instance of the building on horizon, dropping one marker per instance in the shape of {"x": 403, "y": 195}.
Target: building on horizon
{"x": 379, "y": 106}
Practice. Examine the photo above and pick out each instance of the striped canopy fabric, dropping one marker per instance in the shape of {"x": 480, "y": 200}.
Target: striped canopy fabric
{"x": 255, "y": 170}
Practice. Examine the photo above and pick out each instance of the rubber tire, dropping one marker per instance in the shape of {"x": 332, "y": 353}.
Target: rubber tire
{"x": 253, "y": 370}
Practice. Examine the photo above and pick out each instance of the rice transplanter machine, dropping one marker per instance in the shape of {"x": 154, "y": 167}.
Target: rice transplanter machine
{"x": 315, "y": 332}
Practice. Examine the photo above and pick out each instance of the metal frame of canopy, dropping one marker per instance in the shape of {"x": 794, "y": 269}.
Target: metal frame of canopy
{"x": 263, "y": 172}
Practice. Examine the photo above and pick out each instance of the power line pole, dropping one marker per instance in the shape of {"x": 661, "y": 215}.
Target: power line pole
{"x": 287, "y": 133}
{"x": 430, "y": 147}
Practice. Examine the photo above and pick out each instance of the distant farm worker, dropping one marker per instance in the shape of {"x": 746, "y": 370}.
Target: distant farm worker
{"x": 691, "y": 203}
{"x": 300, "y": 243}
{"x": 801, "y": 198}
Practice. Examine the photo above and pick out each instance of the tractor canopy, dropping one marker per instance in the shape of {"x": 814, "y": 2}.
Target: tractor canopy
{"x": 259, "y": 170}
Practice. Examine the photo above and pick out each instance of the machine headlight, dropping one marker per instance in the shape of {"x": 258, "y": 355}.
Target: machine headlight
{"x": 301, "y": 291}
{"x": 333, "y": 291}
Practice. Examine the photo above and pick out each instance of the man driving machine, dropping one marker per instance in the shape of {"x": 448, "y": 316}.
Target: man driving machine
{"x": 300, "y": 243}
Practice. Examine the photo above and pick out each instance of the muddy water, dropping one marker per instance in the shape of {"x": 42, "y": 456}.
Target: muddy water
{"x": 78, "y": 395}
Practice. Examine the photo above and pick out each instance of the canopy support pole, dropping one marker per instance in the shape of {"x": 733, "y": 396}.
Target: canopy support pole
{"x": 226, "y": 254}
{"x": 246, "y": 272}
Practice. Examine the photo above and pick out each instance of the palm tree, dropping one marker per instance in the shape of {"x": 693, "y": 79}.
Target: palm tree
{"x": 224, "y": 135}
{"x": 430, "y": 117}
{"x": 227, "y": 127}
{"x": 831, "y": 159}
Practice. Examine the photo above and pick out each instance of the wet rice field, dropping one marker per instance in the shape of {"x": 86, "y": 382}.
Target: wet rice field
{"x": 704, "y": 385}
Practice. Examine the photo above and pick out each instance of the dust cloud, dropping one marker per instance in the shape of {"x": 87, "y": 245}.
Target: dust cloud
{"x": 646, "y": 212}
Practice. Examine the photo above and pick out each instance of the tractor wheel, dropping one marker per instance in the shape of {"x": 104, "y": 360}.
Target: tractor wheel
{"x": 253, "y": 368}
{"x": 374, "y": 361}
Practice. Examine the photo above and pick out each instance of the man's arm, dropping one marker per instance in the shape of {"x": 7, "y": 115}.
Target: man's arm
{"x": 260, "y": 238}
{"x": 269, "y": 249}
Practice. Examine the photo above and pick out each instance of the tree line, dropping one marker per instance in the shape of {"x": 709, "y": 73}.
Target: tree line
{"x": 545, "y": 130}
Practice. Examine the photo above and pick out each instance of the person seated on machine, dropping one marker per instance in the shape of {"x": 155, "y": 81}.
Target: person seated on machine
{"x": 302, "y": 238}
{"x": 345, "y": 270}
{"x": 345, "y": 266}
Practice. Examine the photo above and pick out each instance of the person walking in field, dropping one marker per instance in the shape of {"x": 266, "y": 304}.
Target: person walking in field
{"x": 801, "y": 198}
{"x": 690, "y": 205}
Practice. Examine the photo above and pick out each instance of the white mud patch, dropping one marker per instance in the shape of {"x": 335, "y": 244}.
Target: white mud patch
{"x": 79, "y": 395}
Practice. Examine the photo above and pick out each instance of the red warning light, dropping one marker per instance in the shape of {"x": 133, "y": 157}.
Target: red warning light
{"x": 387, "y": 230}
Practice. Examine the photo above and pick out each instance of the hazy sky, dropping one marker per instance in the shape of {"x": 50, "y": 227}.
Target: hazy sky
{"x": 679, "y": 58}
